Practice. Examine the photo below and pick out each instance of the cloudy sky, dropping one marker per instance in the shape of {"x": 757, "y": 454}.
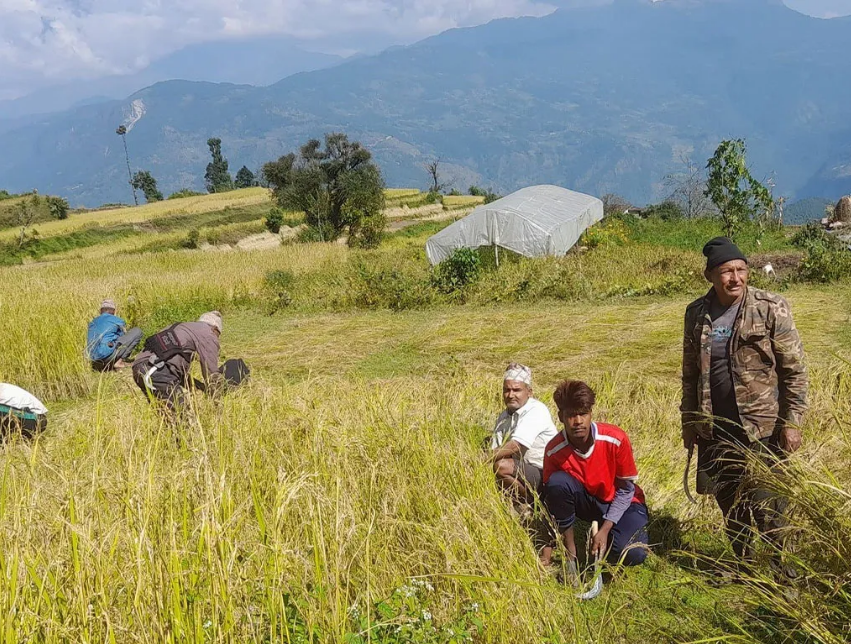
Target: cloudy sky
{"x": 44, "y": 42}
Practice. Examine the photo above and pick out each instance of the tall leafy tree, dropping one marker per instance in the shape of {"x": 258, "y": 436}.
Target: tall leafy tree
{"x": 144, "y": 181}
{"x": 245, "y": 178}
{"x": 339, "y": 188}
{"x": 737, "y": 195}
{"x": 217, "y": 178}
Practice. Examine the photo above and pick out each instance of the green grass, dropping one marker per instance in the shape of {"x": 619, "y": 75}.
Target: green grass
{"x": 692, "y": 234}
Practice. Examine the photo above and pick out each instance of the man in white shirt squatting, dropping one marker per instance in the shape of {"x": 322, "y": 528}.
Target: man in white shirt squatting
{"x": 520, "y": 437}
{"x": 20, "y": 411}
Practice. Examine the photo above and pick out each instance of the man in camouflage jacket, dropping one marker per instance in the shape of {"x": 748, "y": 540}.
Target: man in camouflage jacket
{"x": 744, "y": 390}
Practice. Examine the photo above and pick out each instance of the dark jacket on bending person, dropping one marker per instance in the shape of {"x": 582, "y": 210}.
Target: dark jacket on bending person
{"x": 201, "y": 342}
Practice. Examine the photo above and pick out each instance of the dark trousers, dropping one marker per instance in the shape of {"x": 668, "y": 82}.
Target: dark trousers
{"x": 744, "y": 503}
{"x": 124, "y": 347}
{"x": 165, "y": 387}
{"x": 12, "y": 421}
{"x": 567, "y": 500}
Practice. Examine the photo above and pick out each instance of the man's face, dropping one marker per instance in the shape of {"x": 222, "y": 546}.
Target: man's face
{"x": 515, "y": 394}
{"x": 110, "y": 311}
{"x": 577, "y": 424}
{"x": 729, "y": 280}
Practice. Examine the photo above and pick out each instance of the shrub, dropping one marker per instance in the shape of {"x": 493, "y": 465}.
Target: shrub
{"x": 186, "y": 192}
{"x": 814, "y": 234}
{"x": 388, "y": 285}
{"x": 666, "y": 211}
{"x": 280, "y": 284}
{"x": 58, "y": 207}
{"x": 822, "y": 264}
{"x": 611, "y": 232}
{"x": 433, "y": 197}
{"x": 827, "y": 258}
{"x": 274, "y": 220}
{"x": 192, "y": 239}
{"x": 461, "y": 268}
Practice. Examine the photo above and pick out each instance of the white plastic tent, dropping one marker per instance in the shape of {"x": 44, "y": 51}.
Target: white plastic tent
{"x": 534, "y": 221}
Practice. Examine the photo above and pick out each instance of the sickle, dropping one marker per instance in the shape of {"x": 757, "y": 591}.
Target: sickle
{"x": 685, "y": 475}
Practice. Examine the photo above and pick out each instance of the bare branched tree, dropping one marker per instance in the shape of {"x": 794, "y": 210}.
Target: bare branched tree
{"x": 433, "y": 169}
{"x": 688, "y": 188}
{"x": 614, "y": 204}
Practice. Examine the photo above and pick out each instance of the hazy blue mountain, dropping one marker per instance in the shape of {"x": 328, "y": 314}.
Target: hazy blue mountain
{"x": 600, "y": 99}
{"x": 256, "y": 61}
{"x": 809, "y": 209}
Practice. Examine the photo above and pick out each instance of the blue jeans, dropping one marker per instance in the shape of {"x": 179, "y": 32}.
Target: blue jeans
{"x": 567, "y": 499}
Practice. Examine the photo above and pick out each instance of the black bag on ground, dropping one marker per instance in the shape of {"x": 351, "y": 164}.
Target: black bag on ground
{"x": 164, "y": 344}
{"x": 235, "y": 372}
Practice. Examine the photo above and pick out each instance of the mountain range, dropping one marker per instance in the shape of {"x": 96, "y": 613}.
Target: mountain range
{"x": 256, "y": 61}
{"x": 595, "y": 98}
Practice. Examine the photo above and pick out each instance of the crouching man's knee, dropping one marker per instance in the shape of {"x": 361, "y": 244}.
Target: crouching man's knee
{"x": 635, "y": 555}
{"x": 560, "y": 494}
{"x": 562, "y": 485}
{"x": 504, "y": 469}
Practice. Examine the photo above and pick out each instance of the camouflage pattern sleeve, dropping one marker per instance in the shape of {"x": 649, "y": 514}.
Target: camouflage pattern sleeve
{"x": 792, "y": 381}
{"x": 690, "y": 377}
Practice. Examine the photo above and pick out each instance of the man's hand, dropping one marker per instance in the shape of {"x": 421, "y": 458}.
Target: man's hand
{"x": 600, "y": 541}
{"x": 790, "y": 440}
{"x": 689, "y": 436}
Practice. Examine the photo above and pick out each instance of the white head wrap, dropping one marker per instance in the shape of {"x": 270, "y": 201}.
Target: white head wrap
{"x": 518, "y": 372}
{"x": 213, "y": 318}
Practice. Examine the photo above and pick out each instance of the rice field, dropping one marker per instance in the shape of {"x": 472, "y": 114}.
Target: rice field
{"x": 150, "y": 212}
{"x": 462, "y": 201}
{"x": 342, "y": 496}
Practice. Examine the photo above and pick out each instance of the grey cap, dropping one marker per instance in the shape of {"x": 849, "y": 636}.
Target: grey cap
{"x": 108, "y": 304}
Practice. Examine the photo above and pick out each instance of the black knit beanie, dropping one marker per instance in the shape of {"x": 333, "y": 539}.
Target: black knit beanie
{"x": 721, "y": 250}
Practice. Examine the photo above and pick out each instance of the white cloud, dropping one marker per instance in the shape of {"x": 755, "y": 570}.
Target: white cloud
{"x": 48, "y": 41}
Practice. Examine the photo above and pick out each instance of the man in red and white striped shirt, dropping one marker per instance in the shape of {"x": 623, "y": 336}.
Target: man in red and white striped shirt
{"x": 590, "y": 474}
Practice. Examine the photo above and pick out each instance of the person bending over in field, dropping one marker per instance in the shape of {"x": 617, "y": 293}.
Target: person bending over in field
{"x": 108, "y": 343}
{"x": 162, "y": 369}
{"x": 20, "y": 411}
{"x": 590, "y": 474}
{"x": 520, "y": 435}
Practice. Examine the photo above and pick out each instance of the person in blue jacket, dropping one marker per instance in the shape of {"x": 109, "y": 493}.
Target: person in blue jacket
{"x": 108, "y": 343}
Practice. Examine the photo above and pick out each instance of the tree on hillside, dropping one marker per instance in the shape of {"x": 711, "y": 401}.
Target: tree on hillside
{"x": 144, "y": 181}
{"x": 737, "y": 195}
{"x": 122, "y": 132}
{"x": 217, "y": 178}
{"x": 25, "y": 214}
{"x": 339, "y": 189}
{"x": 245, "y": 178}
{"x": 688, "y": 189}
{"x": 433, "y": 169}
{"x": 613, "y": 204}
{"x": 489, "y": 195}
{"x": 58, "y": 207}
